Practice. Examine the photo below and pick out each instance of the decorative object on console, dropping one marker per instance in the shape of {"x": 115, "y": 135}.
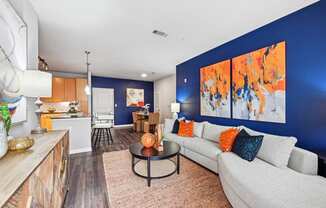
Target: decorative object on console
{"x": 186, "y": 129}
{"x": 215, "y": 90}
{"x": 175, "y": 109}
{"x": 148, "y": 140}
{"x": 135, "y": 97}
{"x": 5, "y": 125}
{"x": 159, "y": 136}
{"x": 246, "y": 146}
{"x": 20, "y": 144}
{"x": 227, "y": 139}
{"x": 258, "y": 81}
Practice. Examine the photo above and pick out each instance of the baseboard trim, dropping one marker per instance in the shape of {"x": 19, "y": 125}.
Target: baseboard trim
{"x": 123, "y": 125}
{"x": 76, "y": 151}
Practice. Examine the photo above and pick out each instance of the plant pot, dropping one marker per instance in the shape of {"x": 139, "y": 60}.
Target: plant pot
{"x": 3, "y": 140}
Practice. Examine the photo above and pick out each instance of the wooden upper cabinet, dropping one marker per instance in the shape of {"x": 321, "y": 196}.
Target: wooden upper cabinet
{"x": 69, "y": 89}
{"x": 81, "y": 95}
{"x": 58, "y": 89}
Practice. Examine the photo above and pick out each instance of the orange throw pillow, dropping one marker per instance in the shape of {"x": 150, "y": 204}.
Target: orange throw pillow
{"x": 227, "y": 139}
{"x": 186, "y": 129}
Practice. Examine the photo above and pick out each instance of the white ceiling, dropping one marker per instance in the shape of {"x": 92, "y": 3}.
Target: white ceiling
{"x": 119, "y": 32}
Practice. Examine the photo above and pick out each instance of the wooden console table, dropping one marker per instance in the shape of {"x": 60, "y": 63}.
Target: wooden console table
{"x": 37, "y": 177}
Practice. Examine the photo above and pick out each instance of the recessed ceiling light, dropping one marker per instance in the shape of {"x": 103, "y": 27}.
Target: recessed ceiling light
{"x": 143, "y": 75}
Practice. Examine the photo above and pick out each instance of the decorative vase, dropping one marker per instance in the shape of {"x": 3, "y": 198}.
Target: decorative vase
{"x": 148, "y": 140}
{"x": 3, "y": 140}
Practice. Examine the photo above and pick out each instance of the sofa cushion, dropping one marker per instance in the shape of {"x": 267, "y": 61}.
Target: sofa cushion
{"x": 175, "y": 128}
{"x": 177, "y": 139}
{"x": 198, "y": 129}
{"x": 246, "y": 146}
{"x": 212, "y": 131}
{"x": 275, "y": 149}
{"x": 260, "y": 184}
{"x": 204, "y": 147}
{"x": 186, "y": 129}
{"x": 168, "y": 125}
{"x": 227, "y": 139}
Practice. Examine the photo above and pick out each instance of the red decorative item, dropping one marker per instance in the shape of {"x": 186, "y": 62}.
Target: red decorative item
{"x": 148, "y": 140}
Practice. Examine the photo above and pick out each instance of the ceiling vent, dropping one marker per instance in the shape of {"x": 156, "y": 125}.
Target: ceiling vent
{"x": 160, "y": 33}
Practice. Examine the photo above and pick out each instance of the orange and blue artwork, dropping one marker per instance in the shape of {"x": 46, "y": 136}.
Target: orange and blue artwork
{"x": 258, "y": 84}
{"x": 215, "y": 90}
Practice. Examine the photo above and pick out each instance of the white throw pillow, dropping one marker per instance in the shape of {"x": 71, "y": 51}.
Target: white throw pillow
{"x": 198, "y": 129}
{"x": 212, "y": 132}
{"x": 275, "y": 149}
{"x": 168, "y": 125}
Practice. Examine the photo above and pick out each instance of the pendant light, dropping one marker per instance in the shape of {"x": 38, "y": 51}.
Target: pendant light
{"x": 87, "y": 88}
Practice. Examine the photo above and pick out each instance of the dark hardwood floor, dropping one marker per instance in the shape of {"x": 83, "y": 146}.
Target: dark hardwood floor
{"x": 87, "y": 183}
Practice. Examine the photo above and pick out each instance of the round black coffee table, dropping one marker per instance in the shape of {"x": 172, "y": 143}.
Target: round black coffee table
{"x": 170, "y": 150}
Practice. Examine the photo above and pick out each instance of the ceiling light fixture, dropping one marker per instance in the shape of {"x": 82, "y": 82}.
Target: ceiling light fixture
{"x": 160, "y": 33}
{"x": 87, "y": 88}
{"x": 144, "y": 75}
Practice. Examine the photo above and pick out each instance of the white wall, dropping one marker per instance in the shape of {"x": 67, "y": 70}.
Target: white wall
{"x": 28, "y": 14}
{"x": 164, "y": 95}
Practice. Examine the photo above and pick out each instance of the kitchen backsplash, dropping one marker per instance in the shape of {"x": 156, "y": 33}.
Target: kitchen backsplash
{"x": 60, "y": 107}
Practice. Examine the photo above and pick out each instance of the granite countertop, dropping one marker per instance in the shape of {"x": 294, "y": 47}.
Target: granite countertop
{"x": 16, "y": 167}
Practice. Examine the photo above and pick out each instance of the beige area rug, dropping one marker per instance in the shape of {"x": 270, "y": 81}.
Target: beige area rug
{"x": 194, "y": 187}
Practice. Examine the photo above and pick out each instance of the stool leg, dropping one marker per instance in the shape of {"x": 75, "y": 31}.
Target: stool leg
{"x": 111, "y": 138}
{"x": 108, "y": 136}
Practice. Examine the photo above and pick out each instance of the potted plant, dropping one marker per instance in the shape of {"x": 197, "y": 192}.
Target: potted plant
{"x": 5, "y": 125}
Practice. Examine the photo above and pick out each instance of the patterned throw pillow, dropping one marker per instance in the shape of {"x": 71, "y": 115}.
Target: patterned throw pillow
{"x": 246, "y": 146}
{"x": 186, "y": 129}
{"x": 175, "y": 128}
{"x": 227, "y": 138}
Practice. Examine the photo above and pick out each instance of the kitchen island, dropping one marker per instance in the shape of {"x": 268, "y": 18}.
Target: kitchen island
{"x": 79, "y": 132}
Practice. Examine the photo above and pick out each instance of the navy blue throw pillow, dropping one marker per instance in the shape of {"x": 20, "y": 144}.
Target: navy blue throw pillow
{"x": 175, "y": 128}
{"x": 246, "y": 146}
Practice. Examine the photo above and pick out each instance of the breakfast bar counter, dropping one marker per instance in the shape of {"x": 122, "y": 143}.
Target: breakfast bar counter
{"x": 41, "y": 169}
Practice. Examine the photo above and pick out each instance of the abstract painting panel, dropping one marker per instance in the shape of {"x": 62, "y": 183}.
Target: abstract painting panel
{"x": 215, "y": 90}
{"x": 135, "y": 97}
{"x": 258, "y": 84}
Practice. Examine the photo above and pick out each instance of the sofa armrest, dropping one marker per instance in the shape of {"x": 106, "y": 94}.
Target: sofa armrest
{"x": 303, "y": 161}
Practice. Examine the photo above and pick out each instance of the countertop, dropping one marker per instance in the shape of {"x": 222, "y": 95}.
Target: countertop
{"x": 16, "y": 167}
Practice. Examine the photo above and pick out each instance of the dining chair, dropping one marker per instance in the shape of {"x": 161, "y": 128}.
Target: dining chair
{"x": 102, "y": 125}
{"x": 153, "y": 120}
{"x": 137, "y": 123}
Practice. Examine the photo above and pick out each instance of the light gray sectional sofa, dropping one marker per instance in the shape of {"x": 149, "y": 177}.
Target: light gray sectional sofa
{"x": 281, "y": 176}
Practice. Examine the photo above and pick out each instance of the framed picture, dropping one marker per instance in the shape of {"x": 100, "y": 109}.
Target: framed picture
{"x": 14, "y": 45}
{"x": 259, "y": 84}
{"x": 215, "y": 90}
{"x": 135, "y": 97}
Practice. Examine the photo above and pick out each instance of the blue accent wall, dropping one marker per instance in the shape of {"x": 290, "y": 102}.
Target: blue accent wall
{"x": 305, "y": 34}
{"x": 122, "y": 112}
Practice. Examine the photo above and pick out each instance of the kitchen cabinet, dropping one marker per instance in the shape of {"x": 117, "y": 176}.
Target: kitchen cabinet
{"x": 81, "y": 95}
{"x": 69, "y": 89}
{"x": 58, "y": 89}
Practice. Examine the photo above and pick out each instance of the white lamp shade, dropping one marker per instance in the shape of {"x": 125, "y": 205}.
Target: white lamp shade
{"x": 36, "y": 83}
{"x": 175, "y": 107}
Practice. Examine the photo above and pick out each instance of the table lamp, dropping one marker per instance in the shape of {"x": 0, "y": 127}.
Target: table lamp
{"x": 175, "y": 109}
{"x": 36, "y": 84}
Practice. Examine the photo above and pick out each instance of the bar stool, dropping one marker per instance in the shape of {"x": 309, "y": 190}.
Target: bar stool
{"x": 102, "y": 127}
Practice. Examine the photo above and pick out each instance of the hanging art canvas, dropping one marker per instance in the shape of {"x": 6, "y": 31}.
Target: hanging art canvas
{"x": 135, "y": 97}
{"x": 215, "y": 90}
{"x": 259, "y": 84}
